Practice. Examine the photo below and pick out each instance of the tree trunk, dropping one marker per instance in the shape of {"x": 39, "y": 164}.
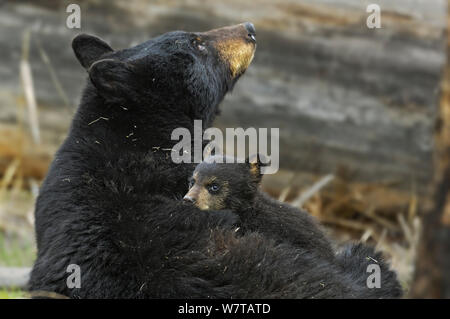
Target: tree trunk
{"x": 432, "y": 277}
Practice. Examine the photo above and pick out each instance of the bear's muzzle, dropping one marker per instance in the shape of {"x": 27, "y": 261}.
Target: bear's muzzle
{"x": 235, "y": 45}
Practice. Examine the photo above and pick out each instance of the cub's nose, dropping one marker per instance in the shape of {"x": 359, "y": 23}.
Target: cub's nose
{"x": 250, "y": 28}
{"x": 189, "y": 199}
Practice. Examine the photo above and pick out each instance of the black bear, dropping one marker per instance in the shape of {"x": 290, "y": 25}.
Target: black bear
{"x": 107, "y": 209}
{"x": 221, "y": 182}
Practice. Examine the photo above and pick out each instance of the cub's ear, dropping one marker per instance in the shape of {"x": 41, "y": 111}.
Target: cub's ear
{"x": 211, "y": 149}
{"x": 113, "y": 79}
{"x": 89, "y": 49}
{"x": 255, "y": 162}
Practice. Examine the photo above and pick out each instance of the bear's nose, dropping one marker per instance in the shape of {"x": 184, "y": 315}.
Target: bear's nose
{"x": 189, "y": 199}
{"x": 251, "y": 30}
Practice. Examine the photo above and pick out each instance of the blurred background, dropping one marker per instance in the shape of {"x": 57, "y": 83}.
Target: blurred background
{"x": 357, "y": 108}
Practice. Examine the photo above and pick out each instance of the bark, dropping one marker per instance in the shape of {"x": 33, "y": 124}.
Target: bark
{"x": 432, "y": 276}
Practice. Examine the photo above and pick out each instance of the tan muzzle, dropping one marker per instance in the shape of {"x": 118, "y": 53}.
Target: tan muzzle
{"x": 235, "y": 45}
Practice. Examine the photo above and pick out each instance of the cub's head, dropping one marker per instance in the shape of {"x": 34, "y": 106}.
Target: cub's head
{"x": 221, "y": 183}
{"x": 178, "y": 71}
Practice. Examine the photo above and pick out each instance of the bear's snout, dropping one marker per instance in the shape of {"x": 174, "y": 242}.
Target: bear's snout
{"x": 251, "y": 30}
{"x": 235, "y": 45}
{"x": 189, "y": 199}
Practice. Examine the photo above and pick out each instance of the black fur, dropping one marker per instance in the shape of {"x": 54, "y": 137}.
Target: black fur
{"x": 238, "y": 190}
{"x": 108, "y": 203}
{"x": 354, "y": 259}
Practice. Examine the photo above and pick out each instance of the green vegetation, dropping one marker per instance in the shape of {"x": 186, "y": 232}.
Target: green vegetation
{"x": 15, "y": 252}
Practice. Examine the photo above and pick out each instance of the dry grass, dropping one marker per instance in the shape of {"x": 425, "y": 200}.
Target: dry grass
{"x": 374, "y": 214}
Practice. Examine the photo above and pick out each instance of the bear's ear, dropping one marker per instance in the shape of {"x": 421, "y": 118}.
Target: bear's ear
{"x": 255, "y": 163}
{"x": 211, "y": 149}
{"x": 89, "y": 49}
{"x": 112, "y": 79}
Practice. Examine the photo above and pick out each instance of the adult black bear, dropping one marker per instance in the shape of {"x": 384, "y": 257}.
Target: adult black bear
{"x": 107, "y": 204}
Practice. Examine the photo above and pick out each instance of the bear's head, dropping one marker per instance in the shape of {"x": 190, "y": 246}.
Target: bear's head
{"x": 183, "y": 73}
{"x": 221, "y": 182}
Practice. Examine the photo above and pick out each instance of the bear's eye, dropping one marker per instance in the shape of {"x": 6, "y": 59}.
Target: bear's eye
{"x": 191, "y": 183}
{"x": 213, "y": 188}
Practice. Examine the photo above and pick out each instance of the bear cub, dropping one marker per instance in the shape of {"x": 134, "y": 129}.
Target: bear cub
{"x": 219, "y": 183}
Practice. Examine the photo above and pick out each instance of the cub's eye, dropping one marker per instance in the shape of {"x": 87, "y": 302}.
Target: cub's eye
{"x": 213, "y": 188}
{"x": 191, "y": 183}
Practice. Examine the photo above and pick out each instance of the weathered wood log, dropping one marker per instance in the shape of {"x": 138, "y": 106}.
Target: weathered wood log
{"x": 343, "y": 95}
